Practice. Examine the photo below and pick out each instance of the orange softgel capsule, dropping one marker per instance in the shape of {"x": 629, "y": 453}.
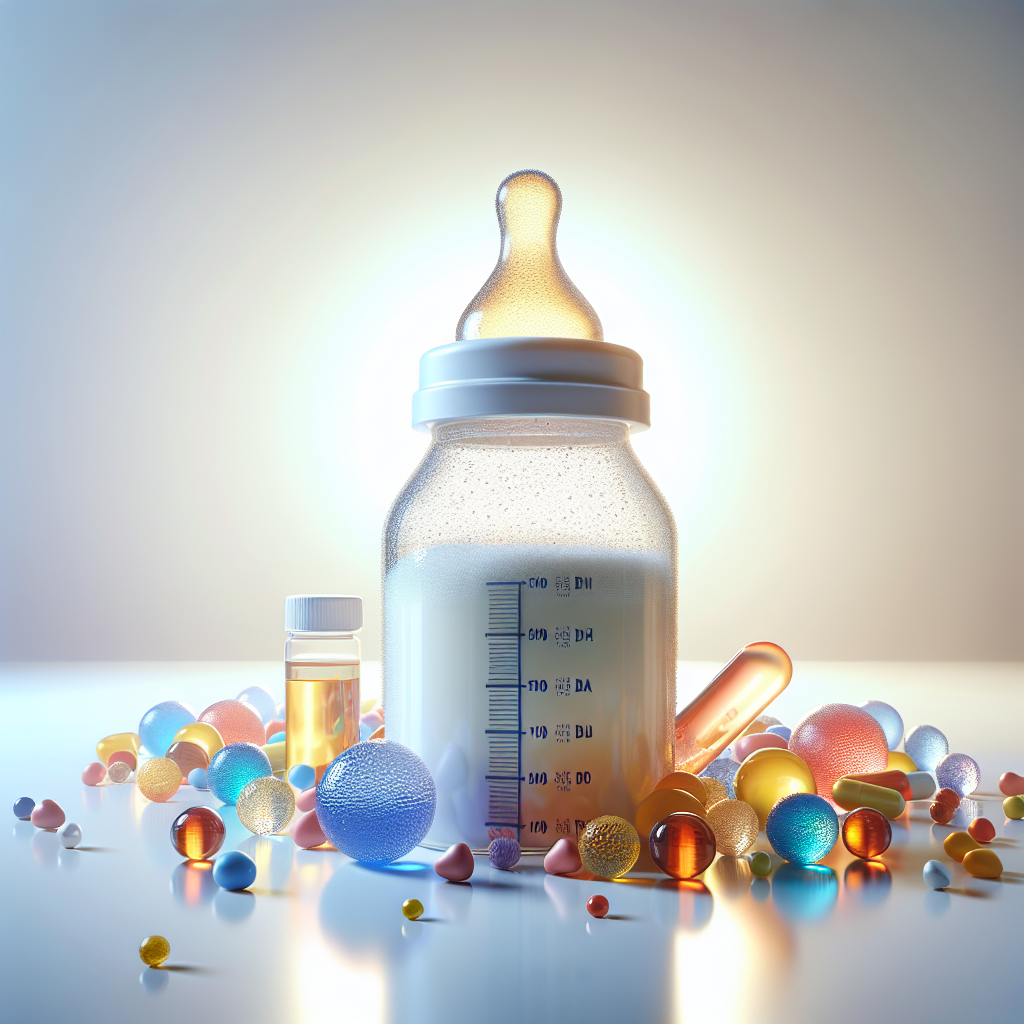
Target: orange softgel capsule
{"x": 682, "y": 845}
{"x": 729, "y": 703}
{"x": 866, "y": 832}
{"x": 944, "y": 806}
{"x": 198, "y": 833}
{"x": 981, "y": 830}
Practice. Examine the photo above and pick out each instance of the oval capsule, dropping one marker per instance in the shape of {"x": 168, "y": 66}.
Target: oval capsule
{"x": 958, "y": 844}
{"x": 729, "y": 703}
{"x": 982, "y": 863}
{"x": 922, "y": 785}
{"x": 899, "y": 761}
{"x": 118, "y": 741}
{"x": 850, "y": 794}
{"x": 890, "y": 779}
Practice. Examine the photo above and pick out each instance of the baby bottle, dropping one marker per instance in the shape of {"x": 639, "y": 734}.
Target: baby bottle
{"x": 529, "y": 564}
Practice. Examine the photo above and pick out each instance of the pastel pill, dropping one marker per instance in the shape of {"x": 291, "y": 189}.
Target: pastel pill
{"x": 958, "y": 844}
{"x": 1011, "y": 784}
{"x": 1013, "y": 807}
{"x": 563, "y": 858}
{"x": 70, "y": 835}
{"x": 93, "y": 774}
{"x": 850, "y": 794}
{"x": 981, "y": 830}
{"x": 456, "y": 864}
{"x": 890, "y": 779}
{"x": 746, "y": 745}
{"x": 307, "y": 831}
{"x": 47, "y": 814}
{"x": 983, "y": 863}
{"x": 306, "y": 800}
{"x": 109, "y": 745}
{"x": 922, "y": 785}
{"x": 686, "y": 781}
{"x": 127, "y": 756}
{"x": 936, "y": 875}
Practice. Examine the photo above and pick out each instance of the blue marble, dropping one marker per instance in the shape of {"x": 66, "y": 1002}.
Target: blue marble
{"x": 233, "y": 767}
{"x": 959, "y": 773}
{"x": 723, "y": 769}
{"x": 888, "y": 718}
{"x": 376, "y": 801}
{"x": 161, "y": 722}
{"x": 23, "y": 807}
{"x": 234, "y": 870}
{"x": 301, "y": 776}
{"x": 926, "y": 747}
{"x": 802, "y": 828}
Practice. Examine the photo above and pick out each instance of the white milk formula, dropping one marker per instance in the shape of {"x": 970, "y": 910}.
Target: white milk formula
{"x": 534, "y": 680}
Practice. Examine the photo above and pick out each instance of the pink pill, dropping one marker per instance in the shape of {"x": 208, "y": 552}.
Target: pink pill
{"x": 306, "y": 800}
{"x": 456, "y": 864}
{"x": 94, "y": 774}
{"x": 1011, "y": 784}
{"x": 307, "y": 832}
{"x": 746, "y": 745}
{"x": 47, "y": 814}
{"x": 563, "y": 858}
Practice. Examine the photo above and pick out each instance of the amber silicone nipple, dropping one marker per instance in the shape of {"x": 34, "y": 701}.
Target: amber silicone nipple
{"x": 528, "y": 293}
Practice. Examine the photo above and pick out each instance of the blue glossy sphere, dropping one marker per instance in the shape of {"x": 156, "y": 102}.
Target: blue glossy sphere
{"x": 802, "y": 828}
{"x": 261, "y": 699}
{"x": 23, "y": 807}
{"x": 233, "y": 767}
{"x": 724, "y": 770}
{"x": 234, "y": 870}
{"x": 504, "y": 853}
{"x": 197, "y": 779}
{"x": 161, "y": 722}
{"x": 301, "y": 776}
{"x": 888, "y": 718}
{"x": 959, "y": 773}
{"x": 376, "y": 801}
{"x": 926, "y": 747}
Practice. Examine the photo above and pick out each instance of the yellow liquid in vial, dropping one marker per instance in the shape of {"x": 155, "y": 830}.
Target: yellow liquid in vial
{"x": 322, "y": 712}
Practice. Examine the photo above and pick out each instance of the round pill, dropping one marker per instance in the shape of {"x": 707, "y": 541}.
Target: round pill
{"x": 261, "y": 699}
{"x": 683, "y": 845}
{"x": 412, "y": 909}
{"x": 1011, "y": 784}
{"x": 306, "y": 800}
{"x": 154, "y": 950}
{"x": 944, "y": 806}
{"x": 900, "y": 761}
{"x": 735, "y": 826}
{"x": 983, "y": 863}
{"x": 803, "y": 827}
{"x": 236, "y": 722}
{"x": 888, "y": 718}
{"x": 597, "y": 905}
{"x": 197, "y": 779}
{"x": 1013, "y": 807}
{"x": 768, "y": 775}
{"x": 301, "y": 776}
{"x": 161, "y": 722}
{"x": 234, "y": 870}
{"x": 981, "y": 830}
{"x": 761, "y": 864}
{"x": 70, "y": 835}
{"x": 936, "y": 875}
{"x": 23, "y": 807}
{"x": 93, "y": 774}
{"x": 127, "y": 756}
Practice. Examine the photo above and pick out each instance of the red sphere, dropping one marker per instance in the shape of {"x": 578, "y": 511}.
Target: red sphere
{"x": 682, "y": 845}
{"x": 944, "y": 806}
{"x": 836, "y": 740}
{"x": 981, "y": 830}
{"x": 597, "y": 906}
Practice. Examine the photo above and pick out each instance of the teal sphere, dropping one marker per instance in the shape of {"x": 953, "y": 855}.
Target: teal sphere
{"x": 233, "y": 767}
{"x": 802, "y": 828}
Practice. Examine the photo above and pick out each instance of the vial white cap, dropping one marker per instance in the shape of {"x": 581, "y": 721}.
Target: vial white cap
{"x": 323, "y": 613}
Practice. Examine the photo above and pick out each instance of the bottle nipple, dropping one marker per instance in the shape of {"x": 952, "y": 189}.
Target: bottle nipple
{"x": 528, "y": 293}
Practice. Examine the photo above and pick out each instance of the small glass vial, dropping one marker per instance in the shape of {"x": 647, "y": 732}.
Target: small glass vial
{"x": 321, "y": 659}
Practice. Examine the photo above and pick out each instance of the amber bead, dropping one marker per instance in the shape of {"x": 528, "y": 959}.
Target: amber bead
{"x": 867, "y": 832}
{"x": 944, "y": 806}
{"x": 982, "y": 830}
{"x": 198, "y": 833}
{"x": 682, "y": 845}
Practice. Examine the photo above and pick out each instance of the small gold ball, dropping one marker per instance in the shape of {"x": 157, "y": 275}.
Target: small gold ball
{"x": 154, "y": 950}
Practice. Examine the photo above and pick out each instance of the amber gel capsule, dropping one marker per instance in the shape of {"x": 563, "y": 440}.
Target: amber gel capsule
{"x": 729, "y": 703}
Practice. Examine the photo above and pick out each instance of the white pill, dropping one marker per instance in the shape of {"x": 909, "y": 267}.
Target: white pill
{"x": 922, "y": 785}
{"x": 936, "y": 875}
{"x": 70, "y": 835}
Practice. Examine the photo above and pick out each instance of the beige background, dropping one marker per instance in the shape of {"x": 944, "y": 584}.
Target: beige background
{"x": 228, "y": 230}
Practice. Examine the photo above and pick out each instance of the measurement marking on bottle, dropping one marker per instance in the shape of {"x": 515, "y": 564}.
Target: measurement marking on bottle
{"x": 504, "y": 705}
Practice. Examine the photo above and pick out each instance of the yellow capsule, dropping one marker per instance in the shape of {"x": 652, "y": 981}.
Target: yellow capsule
{"x": 276, "y": 753}
{"x": 900, "y": 761}
{"x": 412, "y": 909}
{"x": 660, "y": 804}
{"x": 769, "y": 774}
{"x": 202, "y": 734}
{"x": 958, "y": 844}
{"x": 1013, "y": 807}
{"x": 982, "y": 863}
{"x": 851, "y": 794}
{"x": 686, "y": 781}
{"x": 118, "y": 742}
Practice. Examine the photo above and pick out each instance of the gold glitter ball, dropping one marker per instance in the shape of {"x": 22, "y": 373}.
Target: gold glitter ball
{"x": 716, "y": 791}
{"x": 158, "y": 779}
{"x": 735, "y": 826}
{"x": 609, "y": 846}
{"x": 154, "y": 950}
{"x": 265, "y": 805}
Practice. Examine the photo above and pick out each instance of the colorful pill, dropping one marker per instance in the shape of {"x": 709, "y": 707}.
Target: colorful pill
{"x": 597, "y": 906}
{"x": 1011, "y": 784}
{"x": 850, "y": 794}
{"x": 957, "y": 845}
{"x": 760, "y": 864}
{"x": 412, "y": 909}
{"x": 900, "y": 762}
{"x": 1013, "y": 807}
{"x": 944, "y": 806}
{"x": 729, "y": 703}
{"x": 981, "y": 830}
{"x": 890, "y": 779}
{"x": 922, "y": 785}
{"x": 109, "y": 745}
{"x": 983, "y": 864}
{"x": 94, "y": 773}
{"x": 936, "y": 875}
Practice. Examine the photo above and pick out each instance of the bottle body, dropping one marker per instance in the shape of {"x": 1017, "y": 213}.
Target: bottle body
{"x": 322, "y": 697}
{"x": 530, "y": 627}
